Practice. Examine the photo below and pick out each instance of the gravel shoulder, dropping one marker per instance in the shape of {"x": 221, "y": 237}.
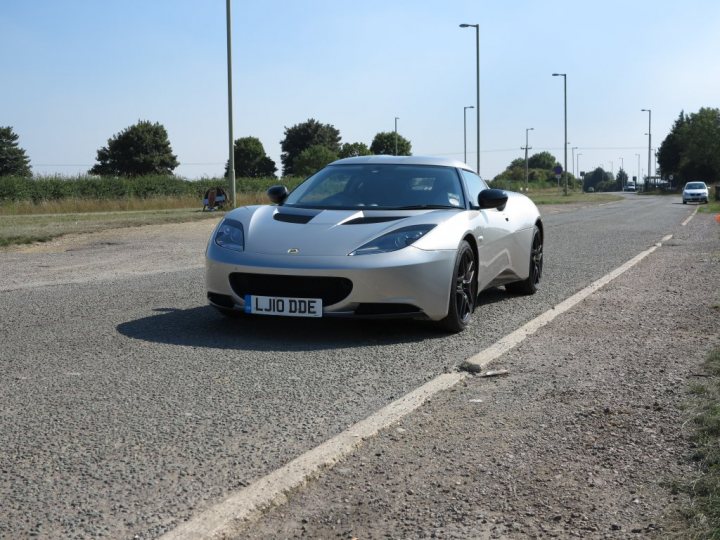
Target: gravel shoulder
{"x": 112, "y": 253}
{"x": 582, "y": 439}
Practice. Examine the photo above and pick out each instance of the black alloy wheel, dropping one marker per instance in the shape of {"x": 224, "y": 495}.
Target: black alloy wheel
{"x": 463, "y": 291}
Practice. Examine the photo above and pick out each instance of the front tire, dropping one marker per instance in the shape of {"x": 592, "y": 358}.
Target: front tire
{"x": 532, "y": 283}
{"x": 463, "y": 290}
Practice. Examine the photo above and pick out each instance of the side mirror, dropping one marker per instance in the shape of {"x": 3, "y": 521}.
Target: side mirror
{"x": 493, "y": 198}
{"x": 277, "y": 194}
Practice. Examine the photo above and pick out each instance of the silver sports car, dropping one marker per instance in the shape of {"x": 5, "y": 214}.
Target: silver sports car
{"x": 376, "y": 236}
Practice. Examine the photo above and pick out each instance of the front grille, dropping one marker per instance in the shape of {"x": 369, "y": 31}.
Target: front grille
{"x": 330, "y": 289}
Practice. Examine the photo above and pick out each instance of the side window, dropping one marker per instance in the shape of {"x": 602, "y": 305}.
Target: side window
{"x": 474, "y": 185}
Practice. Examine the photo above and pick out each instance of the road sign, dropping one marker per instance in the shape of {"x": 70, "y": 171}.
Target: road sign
{"x": 558, "y": 170}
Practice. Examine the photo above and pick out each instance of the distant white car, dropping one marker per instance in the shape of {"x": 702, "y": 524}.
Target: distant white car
{"x": 630, "y": 186}
{"x": 695, "y": 192}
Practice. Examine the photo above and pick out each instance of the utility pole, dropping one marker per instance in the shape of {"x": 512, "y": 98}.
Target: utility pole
{"x": 231, "y": 161}
{"x": 396, "y": 119}
{"x": 526, "y": 148}
{"x": 649, "y": 134}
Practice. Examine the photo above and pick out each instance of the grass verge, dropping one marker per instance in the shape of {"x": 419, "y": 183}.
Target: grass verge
{"x": 553, "y": 197}
{"x": 713, "y": 207}
{"x": 26, "y": 229}
{"x": 703, "y": 513}
{"x": 23, "y": 222}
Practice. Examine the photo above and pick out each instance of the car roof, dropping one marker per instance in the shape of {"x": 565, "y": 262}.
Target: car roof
{"x": 403, "y": 160}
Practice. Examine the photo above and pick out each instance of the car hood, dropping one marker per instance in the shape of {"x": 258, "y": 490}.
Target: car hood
{"x": 276, "y": 230}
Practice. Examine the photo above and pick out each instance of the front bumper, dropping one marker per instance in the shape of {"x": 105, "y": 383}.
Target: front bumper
{"x": 411, "y": 277}
{"x": 695, "y": 197}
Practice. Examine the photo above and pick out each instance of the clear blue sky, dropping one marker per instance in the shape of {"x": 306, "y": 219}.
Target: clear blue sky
{"x": 76, "y": 72}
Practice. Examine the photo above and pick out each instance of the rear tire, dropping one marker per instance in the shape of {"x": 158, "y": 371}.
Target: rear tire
{"x": 463, "y": 290}
{"x": 532, "y": 283}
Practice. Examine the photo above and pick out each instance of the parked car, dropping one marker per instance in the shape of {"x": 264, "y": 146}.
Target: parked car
{"x": 376, "y": 236}
{"x": 695, "y": 192}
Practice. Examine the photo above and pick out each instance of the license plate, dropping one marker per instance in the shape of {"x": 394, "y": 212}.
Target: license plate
{"x": 287, "y": 307}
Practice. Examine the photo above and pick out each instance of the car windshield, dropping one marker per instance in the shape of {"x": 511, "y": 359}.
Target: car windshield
{"x": 380, "y": 187}
{"x": 695, "y": 185}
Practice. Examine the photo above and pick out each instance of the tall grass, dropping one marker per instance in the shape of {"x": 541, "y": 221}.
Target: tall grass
{"x": 703, "y": 514}
{"x": 56, "y": 194}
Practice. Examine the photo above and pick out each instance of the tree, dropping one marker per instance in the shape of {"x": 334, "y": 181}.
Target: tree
{"x": 542, "y": 160}
{"x": 622, "y": 179}
{"x": 670, "y": 152}
{"x": 354, "y": 150}
{"x": 250, "y": 159}
{"x": 384, "y": 143}
{"x": 302, "y": 136}
{"x": 691, "y": 151}
{"x": 143, "y": 148}
{"x": 13, "y": 161}
{"x": 313, "y": 159}
{"x": 596, "y": 179}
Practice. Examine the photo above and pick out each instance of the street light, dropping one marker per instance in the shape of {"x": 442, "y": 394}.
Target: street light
{"x": 465, "y": 130}
{"x": 526, "y": 156}
{"x": 573, "y": 159}
{"x": 231, "y": 162}
{"x": 477, "y": 86}
{"x": 564, "y": 76}
{"x": 649, "y": 134}
{"x": 396, "y": 119}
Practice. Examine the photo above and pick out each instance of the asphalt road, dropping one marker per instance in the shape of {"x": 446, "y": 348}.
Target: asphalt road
{"x": 127, "y": 404}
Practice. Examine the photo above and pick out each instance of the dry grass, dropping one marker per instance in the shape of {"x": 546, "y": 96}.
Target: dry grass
{"x": 134, "y": 204}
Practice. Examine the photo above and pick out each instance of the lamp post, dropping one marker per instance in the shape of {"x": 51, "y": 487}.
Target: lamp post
{"x": 231, "y": 162}
{"x": 396, "y": 119}
{"x": 564, "y": 76}
{"x": 477, "y": 87}
{"x": 465, "y": 131}
{"x": 649, "y": 134}
{"x": 573, "y": 158}
{"x": 526, "y": 148}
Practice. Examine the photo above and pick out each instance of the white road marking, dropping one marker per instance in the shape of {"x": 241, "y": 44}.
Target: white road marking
{"x": 247, "y": 504}
{"x": 690, "y": 217}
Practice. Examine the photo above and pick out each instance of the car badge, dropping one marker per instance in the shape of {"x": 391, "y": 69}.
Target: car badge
{"x": 293, "y": 251}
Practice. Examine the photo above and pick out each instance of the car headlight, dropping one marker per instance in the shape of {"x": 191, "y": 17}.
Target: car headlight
{"x": 394, "y": 240}
{"x": 230, "y": 235}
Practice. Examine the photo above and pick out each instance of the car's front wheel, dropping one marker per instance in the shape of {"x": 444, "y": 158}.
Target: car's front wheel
{"x": 463, "y": 290}
{"x": 532, "y": 283}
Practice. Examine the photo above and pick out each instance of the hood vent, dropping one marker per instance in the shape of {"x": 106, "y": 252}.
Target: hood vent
{"x": 293, "y": 218}
{"x": 366, "y": 220}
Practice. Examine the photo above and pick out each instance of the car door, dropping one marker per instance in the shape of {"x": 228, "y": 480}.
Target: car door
{"x": 492, "y": 228}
